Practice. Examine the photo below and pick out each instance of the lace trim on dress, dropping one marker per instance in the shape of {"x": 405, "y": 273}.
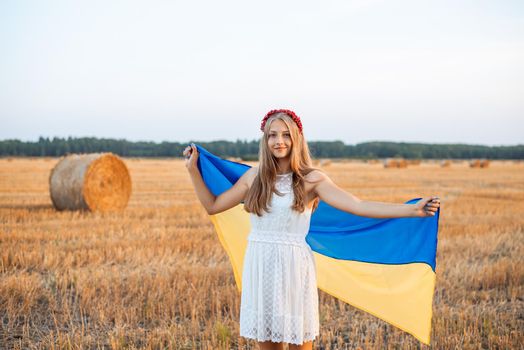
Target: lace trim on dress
{"x": 284, "y": 183}
{"x": 277, "y": 237}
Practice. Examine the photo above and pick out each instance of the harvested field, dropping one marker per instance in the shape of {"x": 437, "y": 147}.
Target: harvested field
{"x": 155, "y": 276}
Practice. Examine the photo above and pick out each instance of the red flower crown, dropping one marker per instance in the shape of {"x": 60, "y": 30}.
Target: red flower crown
{"x": 292, "y": 114}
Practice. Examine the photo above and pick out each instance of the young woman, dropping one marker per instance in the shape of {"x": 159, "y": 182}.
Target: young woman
{"x": 279, "y": 301}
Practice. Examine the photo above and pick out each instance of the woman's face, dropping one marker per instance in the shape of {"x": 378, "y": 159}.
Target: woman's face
{"x": 279, "y": 139}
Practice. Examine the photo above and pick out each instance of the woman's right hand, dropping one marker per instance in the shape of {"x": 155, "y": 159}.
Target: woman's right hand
{"x": 191, "y": 155}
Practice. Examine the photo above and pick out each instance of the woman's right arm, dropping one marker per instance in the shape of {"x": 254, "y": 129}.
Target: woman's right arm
{"x": 215, "y": 204}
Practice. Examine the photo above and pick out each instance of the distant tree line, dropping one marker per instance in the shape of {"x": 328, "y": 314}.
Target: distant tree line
{"x": 248, "y": 150}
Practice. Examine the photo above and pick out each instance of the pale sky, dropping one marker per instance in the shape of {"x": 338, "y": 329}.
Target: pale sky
{"x": 446, "y": 71}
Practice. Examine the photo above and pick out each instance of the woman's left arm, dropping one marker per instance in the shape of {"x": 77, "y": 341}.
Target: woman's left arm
{"x": 333, "y": 195}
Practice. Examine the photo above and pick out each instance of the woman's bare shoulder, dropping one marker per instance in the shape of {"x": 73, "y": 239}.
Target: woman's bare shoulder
{"x": 250, "y": 175}
{"x": 253, "y": 171}
{"x": 315, "y": 176}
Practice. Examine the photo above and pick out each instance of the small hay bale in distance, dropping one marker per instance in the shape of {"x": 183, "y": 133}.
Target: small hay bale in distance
{"x": 479, "y": 163}
{"x": 413, "y": 161}
{"x": 445, "y": 163}
{"x": 474, "y": 163}
{"x": 94, "y": 181}
{"x": 395, "y": 163}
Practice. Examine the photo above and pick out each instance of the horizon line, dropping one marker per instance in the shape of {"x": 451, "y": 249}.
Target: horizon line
{"x": 257, "y": 140}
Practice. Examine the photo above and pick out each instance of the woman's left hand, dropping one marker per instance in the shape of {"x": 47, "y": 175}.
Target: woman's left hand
{"x": 427, "y": 206}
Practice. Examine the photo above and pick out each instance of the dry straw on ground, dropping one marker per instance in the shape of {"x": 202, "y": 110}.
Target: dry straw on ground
{"x": 155, "y": 276}
{"x": 96, "y": 181}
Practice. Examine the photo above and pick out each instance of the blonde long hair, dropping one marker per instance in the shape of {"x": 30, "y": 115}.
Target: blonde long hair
{"x": 259, "y": 195}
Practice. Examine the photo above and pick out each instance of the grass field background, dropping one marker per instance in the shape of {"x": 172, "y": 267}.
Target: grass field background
{"x": 155, "y": 276}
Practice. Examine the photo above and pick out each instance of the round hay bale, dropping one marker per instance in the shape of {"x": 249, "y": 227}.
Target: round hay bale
{"x": 402, "y": 163}
{"x": 474, "y": 163}
{"x": 95, "y": 181}
{"x": 395, "y": 163}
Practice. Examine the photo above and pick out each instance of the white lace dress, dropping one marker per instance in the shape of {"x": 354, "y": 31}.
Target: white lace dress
{"x": 279, "y": 301}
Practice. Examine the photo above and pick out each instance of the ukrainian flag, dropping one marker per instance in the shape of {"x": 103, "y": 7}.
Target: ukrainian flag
{"x": 385, "y": 267}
